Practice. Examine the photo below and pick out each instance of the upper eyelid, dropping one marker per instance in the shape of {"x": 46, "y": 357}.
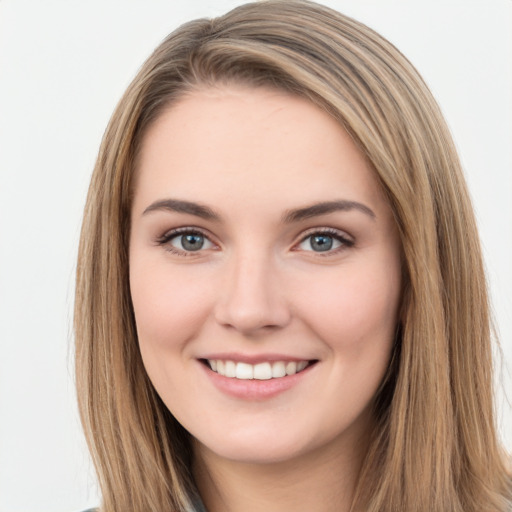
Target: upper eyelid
{"x": 322, "y": 230}
{"x": 170, "y": 233}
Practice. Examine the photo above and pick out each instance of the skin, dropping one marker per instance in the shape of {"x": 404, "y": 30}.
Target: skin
{"x": 259, "y": 286}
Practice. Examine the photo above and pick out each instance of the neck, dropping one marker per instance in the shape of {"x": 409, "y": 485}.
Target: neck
{"x": 323, "y": 481}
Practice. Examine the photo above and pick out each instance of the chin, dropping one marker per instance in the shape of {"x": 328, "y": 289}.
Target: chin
{"x": 253, "y": 451}
{"x": 261, "y": 443}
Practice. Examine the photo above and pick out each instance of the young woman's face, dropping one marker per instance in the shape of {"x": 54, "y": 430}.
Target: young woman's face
{"x": 264, "y": 272}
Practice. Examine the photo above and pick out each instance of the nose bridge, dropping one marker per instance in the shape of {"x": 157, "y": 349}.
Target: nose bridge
{"x": 252, "y": 298}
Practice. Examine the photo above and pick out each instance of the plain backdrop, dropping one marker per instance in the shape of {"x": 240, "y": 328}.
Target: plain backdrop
{"x": 63, "y": 66}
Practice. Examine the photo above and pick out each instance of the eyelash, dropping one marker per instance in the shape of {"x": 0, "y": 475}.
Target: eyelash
{"x": 170, "y": 235}
{"x": 334, "y": 233}
{"x": 341, "y": 237}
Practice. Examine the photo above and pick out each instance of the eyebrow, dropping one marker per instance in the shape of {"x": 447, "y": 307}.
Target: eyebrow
{"x": 180, "y": 206}
{"x": 326, "y": 207}
{"x": 295, "y": 215}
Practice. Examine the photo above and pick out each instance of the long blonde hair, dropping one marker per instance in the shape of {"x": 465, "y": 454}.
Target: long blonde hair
{"x": 434, "y": 447}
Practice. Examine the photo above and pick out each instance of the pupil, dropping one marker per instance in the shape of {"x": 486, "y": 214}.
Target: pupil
{"x": 192, "y": 242}
{"x": 321, "y": 243}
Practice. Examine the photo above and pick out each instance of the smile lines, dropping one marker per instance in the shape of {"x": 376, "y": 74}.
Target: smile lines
{"x": 260, "y": 371}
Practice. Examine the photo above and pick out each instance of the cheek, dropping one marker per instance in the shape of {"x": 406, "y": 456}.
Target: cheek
{"x": 169, "y": 306}
{"x": 170, "y": 310}
{"x": 355, "y": 311}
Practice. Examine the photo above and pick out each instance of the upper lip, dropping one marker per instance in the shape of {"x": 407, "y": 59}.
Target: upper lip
{"x": 254, "y": 358}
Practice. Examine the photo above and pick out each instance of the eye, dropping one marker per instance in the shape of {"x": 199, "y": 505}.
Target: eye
{"x": 325, "y": 241}
{"x": 185, "y": 241}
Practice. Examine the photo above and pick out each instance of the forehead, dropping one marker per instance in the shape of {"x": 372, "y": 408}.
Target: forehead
{"x": 262, "y": 145}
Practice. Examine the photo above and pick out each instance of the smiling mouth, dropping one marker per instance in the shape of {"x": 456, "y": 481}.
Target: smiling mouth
{"x": 260, "y": 371}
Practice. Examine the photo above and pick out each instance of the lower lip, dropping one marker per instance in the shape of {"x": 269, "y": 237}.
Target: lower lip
{"x": 253, "y": 389}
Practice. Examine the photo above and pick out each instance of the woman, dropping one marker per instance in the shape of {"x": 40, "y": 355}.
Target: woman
{"x": 280, "y": 280}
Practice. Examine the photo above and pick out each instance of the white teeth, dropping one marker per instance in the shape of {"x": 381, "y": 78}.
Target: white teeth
{"x": 301, "y": 366}
{"x": 230, "y": 369}
{"x": 244, "y": 371}
{"x": 278, "y": 370}
{"x": 291, "y": 368}
{"x": 260, "y": 371}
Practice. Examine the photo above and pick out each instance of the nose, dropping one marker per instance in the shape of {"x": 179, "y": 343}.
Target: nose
{"x": 252, "y": 300}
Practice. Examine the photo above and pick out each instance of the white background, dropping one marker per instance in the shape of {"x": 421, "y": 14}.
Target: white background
{"x": 63, "y": 66}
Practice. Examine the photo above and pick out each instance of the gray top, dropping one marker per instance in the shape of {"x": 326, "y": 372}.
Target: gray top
{"x": 198, "y": 507}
